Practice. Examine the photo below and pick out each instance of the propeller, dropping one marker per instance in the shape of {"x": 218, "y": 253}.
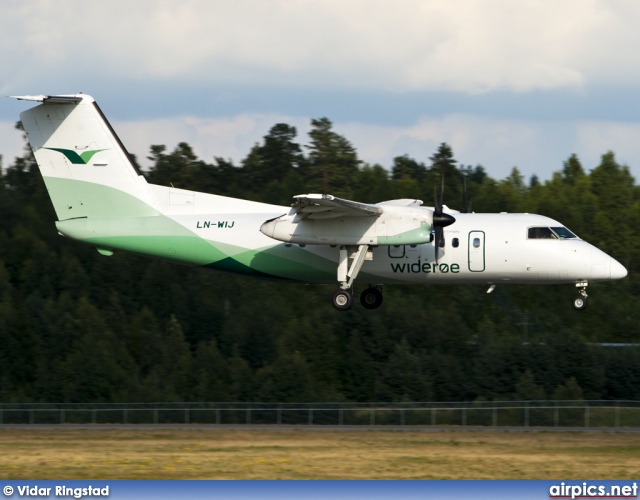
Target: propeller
{"x": 440, "y": 219}
{"x": 466, "y": 206}
{"x": 464, "y": 209}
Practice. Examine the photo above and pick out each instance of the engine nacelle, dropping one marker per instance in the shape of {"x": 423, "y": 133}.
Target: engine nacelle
{"x": 395, "y": 226}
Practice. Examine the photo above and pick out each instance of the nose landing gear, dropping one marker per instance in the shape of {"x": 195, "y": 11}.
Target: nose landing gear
{"x": 579, "y": 302}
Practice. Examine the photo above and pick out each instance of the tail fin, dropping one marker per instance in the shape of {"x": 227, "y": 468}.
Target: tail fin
{"x": 86, "y": 169}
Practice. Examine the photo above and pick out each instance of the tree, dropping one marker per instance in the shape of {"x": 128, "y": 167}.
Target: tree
{"x": 443, "y": 161}
{"x": 569, "y": 391}
{"x": 443, "y": 170}
{"x": 527, "y": 389}
{"x": 211, "y": 374}
{"x": 333, "y": 162}
{"x": 408, "y": 177}
{"x": 97, "y": 368}
{"x": 572, "y": 170}
{"x": 272, "y": 171}
{"x": 288, "y": 379}
{"x": 373, "y": 184}
{"x": 612, "y": 184}
{"x": 176, "y": 169}
{"x": 513, "y": 191}
{"x": 405, "y": 167}
{"x": 534, "y": 181}
{"x": 614, "y": 188}
{"x": 279, "y": 152}
{"x": 475, "y": 174}
{"x": 404, "y": 376}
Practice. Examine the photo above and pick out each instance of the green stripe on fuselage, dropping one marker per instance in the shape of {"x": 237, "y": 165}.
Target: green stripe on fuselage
{"x": 290, "y": 262}
{"x": 117, "y": 220}
{"x": 275, "y": 262}
{"x": 417, "y": 236}
{"x": 94, "y": 200}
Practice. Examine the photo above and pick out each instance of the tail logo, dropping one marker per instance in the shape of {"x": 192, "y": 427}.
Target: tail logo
{"x": 75, "y": 158}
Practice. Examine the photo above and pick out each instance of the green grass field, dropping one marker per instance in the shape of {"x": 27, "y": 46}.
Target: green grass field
{"x": 315, "y": 454}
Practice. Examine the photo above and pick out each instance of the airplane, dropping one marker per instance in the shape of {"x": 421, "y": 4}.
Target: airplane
{"x": 101, "y": 199}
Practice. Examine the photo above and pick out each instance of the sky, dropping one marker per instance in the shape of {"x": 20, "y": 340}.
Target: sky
{"x": 506, "y": 83}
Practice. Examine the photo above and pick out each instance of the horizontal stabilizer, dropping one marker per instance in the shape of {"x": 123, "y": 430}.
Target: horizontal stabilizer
{"x": 49, "y": 99}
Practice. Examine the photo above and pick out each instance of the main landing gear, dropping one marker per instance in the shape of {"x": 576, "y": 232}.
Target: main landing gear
{"x": 579, "y": 302}
{"x": 371, "y": 298}
{"x": 343, "y": 300}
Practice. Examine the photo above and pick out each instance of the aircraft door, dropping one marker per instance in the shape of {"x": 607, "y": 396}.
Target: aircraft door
{"x": 476, "y": 251}
{"x": 396, "y": 251}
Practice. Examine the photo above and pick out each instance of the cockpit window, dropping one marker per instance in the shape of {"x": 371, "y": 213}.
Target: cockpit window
{"x": 563, "y": 233}
{"x": 538, "y": 233}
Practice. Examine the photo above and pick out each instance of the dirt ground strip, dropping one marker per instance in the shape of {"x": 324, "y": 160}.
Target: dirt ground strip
{"x": 295, "y": 454}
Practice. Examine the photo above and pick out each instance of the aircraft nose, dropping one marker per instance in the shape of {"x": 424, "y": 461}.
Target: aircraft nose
{"x": 617, "y": 270}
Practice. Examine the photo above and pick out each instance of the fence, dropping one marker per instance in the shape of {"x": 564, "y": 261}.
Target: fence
{"x": 607, "y": 414}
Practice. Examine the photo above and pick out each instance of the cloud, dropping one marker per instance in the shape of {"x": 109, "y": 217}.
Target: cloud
{"x": 538, "y": 147}
{"x": 230, "y": 137}
{"x": 466, "y": 46}
{"x": 534, "y": 146}
{"x": 498, "y": 145}
{"x": 11, "y": 142}
{"x": 593, "y": 139}
{"x": 506, "y": 83}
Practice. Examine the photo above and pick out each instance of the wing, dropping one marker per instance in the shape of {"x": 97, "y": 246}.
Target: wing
{"x": 322, "y": 219}
{"x": 404, "y": 202}
{"x": 325, "y": 206}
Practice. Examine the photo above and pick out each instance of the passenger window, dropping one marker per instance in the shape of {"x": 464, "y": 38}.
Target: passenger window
{"x": 476, "y": 242}
{"x": 455, "y": 242}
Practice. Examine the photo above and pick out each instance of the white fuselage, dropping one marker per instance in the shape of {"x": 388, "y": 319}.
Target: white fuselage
{"x": 479, "y": 248}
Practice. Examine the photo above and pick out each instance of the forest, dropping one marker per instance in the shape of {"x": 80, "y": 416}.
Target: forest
{"x": 77, "y": 326}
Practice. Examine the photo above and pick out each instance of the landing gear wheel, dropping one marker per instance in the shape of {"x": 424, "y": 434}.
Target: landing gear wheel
{"x": 371, "y": 298}
{"x": 342, "y": 300}
{"x": 579, "y": 302}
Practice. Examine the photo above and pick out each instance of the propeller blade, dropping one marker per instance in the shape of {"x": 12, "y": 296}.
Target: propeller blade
{"x": 438, "y": 241}
{"x": 465, "y": 208}
{"x": 440, "y": 220}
